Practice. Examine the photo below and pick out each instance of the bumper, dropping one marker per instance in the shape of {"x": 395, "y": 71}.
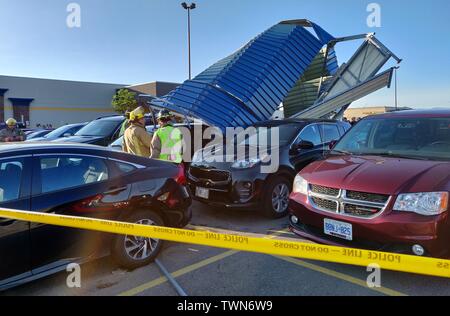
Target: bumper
{"x": 226, "y": 205}
{"x": 240, "y": 189}
{"x": 179, "y": 218}
{"x": 181, "y": 214}
{"x": 390, "y": 232}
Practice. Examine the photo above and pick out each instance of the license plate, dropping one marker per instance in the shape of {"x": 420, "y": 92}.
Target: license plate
{"x": 338, "y": 229}
{"x": 202, "y": 193}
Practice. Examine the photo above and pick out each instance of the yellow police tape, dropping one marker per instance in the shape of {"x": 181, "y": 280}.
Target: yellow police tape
{"x": 358, "y": 257}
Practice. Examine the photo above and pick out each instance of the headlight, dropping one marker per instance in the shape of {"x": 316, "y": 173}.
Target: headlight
{"x": 429, "y": 204}
{"x": 300, "y": 185}
{"x": 245, "y": 164}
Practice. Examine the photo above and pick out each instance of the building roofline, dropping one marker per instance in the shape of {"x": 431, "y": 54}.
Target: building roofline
{"x": 157, "y": 81}
{"x": 61, "y": 80}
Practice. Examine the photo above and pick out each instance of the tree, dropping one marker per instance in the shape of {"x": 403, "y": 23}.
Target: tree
{"x": 124, "y": 101}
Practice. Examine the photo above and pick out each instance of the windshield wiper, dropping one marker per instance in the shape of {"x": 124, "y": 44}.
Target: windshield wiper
{"x": 341, "y": 152}
{"x": 392, "y": 155}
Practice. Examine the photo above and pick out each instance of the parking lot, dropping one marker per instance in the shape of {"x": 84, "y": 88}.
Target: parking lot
{"x": 205, "y": 271}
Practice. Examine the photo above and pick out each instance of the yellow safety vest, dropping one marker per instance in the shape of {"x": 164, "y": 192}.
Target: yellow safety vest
{"x": 171, "y": 143}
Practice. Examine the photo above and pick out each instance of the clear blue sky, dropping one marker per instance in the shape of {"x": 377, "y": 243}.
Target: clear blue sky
{"x": 137, "y": 41}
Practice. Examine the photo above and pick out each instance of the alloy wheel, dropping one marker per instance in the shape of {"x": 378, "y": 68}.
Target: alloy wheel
{"x": 280, "y": 198}
{"x": 140, "y": 248}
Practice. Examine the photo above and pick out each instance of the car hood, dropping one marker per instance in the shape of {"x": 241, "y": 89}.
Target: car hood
{"x": 79, "y": 139}
{"x": 210, "y": 155}
{"x": 38, "y": 139}
{"x": 379, "y": 175}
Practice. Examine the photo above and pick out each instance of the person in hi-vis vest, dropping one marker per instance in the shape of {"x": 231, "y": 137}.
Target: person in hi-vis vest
{"x": 167, "y": 142}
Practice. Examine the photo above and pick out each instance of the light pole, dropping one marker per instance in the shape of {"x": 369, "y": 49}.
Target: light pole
{"x": 396, "y": 88}
{"x": 189, "y": 7}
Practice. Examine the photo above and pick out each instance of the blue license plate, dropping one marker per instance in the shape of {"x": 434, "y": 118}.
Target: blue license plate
{"x": 338, "y": 229}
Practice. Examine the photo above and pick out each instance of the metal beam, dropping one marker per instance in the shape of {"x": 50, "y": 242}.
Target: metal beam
{"x": 347, "y": 97}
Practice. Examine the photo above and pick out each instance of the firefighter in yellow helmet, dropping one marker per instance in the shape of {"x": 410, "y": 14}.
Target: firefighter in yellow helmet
{"x": 167, "y": 141}
{"x": 137, "y": 140}
{"x": 12, "y": 133}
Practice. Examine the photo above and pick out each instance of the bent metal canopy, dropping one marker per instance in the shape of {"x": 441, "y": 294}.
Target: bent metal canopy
{"x": 292, "y": 62}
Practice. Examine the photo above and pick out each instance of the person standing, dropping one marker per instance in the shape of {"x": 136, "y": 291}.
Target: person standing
{"x": 136, "y": 139}
{"x": 125, "y": 124}
{"x": 167, "y": 141}
{"x": 12, "y": 133}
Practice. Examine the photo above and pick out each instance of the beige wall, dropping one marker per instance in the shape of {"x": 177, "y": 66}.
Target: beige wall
{"x": 59, "y": 102}
{"x": 367, "y": 111}
{"x": 363, "y": 112}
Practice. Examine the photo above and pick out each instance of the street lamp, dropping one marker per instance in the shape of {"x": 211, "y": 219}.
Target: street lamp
{"x": 396, "y": 88}
{"x": 189, "y": 7}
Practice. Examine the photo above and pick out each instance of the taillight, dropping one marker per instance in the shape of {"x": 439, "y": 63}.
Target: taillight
{"x": 172, "y": 199}
{"x": 180, "y": 178}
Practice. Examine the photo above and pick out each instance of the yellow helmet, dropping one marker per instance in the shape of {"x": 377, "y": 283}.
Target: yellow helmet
{"x": 140, "y": 110}
{"x": 137, "y": 114}
{"x": 11, "y": 122}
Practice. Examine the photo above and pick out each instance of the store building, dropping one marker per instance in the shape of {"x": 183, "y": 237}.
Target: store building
{"x": 58, "y": 102}
{"x": 363, "y": 112}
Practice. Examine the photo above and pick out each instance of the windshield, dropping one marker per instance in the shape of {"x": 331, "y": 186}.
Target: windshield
{"x": 283, "y": 134}
{"x": 57, "y": 132}
{"x": 99, "y": 128}
{"x": 415, "y": 138}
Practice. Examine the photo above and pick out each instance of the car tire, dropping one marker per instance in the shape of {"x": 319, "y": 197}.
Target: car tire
{"x": 132, "y": 252}
{"x": 276, "y": 197}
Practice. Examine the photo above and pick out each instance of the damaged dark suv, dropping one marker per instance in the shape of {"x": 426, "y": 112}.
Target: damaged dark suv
{"x": 241, "y": 183}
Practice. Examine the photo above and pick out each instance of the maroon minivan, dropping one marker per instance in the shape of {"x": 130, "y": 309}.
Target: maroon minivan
{"x": 384, "y": 186}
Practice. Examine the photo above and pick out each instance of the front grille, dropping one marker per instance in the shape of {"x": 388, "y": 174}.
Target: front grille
{"x": 325, "y": 204}
{"x": 362, "y": 211}
{"x": 350, "y": 203}
{"x": 367, "y": 197}
{"x": 210, "y": 174}
{"x": 324, "y": 190}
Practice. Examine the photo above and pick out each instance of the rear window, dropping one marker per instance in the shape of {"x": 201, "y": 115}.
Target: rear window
{"x": 100, "y": 128}
{"x": 10, "y": 179}
{"x": 65, "y": 172}
{"x": 124, "y": 168}
{"x": 283, "y": 134}
{"x": 330, "y": 133}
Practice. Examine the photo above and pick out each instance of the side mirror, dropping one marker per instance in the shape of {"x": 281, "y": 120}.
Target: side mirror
{"x": 301, "y": 145}
{"x": 332, "y": 144}
{"x": 304, "y": 144}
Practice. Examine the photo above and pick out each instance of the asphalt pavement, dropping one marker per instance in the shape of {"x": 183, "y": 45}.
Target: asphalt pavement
{"x": 207, "y": 271}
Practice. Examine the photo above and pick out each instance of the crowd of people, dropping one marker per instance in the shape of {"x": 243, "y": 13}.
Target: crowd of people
{"x": 44, "y": 126}
{"x": 353, "y": 121}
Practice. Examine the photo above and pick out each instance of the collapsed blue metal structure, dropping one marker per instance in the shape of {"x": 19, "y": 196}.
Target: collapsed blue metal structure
{"x": 295, "y": 56}
{"x": 250, "y": 85}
